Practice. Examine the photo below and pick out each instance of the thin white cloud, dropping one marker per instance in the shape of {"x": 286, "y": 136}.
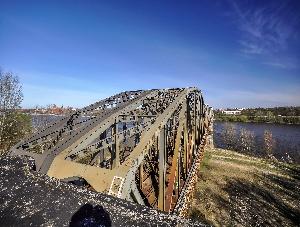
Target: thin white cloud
{"x": 265, "y": 31}
{"x": 283, "y": 65}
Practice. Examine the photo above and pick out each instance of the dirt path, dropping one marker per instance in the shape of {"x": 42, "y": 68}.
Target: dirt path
{"x": 239, "y": 190}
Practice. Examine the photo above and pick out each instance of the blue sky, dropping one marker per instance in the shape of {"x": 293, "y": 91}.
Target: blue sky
{"x": 239, "y": 53}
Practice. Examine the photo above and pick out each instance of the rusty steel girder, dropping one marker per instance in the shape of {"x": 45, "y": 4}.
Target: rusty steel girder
{"x": 143, "y": 146}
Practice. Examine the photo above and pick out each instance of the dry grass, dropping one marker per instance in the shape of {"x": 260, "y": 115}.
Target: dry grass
{"x": 239, "y": 190}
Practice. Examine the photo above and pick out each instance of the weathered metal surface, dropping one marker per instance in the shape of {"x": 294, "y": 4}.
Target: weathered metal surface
{"x": 142, "y": 146}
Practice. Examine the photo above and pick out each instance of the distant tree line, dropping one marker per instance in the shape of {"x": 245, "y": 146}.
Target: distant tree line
{"x": 281, "y": 115}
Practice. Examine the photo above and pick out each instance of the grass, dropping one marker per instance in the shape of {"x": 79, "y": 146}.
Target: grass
{"x": 239, "y": 190}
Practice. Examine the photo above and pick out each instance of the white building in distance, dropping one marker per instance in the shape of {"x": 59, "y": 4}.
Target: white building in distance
{"x": 231, "y": 112}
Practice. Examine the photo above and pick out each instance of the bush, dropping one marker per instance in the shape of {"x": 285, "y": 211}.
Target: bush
{"x": 229, "y": 136}
{"x": 246, "y": 140}
{"x": 269, "y": 144}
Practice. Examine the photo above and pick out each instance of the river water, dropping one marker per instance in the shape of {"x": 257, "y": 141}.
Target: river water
{"x": 286, "y": 138}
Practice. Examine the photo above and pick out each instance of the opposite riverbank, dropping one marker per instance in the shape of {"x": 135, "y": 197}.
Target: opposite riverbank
{"x": 278, "y": 115}
{"x": 239, "y": 190}
{"x": 289, "y": 120}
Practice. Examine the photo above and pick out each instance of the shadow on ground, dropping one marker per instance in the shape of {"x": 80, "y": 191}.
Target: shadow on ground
{"x": 256, "y": 204}
{"x": 91, "y": 216}
{"x": 258, "y": 198}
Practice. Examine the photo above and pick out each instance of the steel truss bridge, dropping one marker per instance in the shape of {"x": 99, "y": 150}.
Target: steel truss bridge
{"x": 143, "y": 146}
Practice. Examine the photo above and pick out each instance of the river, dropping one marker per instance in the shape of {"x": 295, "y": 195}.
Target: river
{"x": 286, "y": 138}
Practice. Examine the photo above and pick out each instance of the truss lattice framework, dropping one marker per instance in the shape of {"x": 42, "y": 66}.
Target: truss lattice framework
{"x": 142, "y": 146}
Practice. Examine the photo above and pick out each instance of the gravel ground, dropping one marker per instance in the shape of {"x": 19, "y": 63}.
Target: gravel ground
{"x": 28, "y": 198}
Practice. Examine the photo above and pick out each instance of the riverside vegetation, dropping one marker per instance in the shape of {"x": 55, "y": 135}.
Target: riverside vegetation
{"x": 280, "y": 115}
{"x": 261, "y": 140}
{"x": 13, "y": 124}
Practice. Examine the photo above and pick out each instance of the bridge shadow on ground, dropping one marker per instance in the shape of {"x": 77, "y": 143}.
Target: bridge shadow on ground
{"x": 254, "y": 204}
{"x": 90, "y": 216}
{"x": 271, "y": 200}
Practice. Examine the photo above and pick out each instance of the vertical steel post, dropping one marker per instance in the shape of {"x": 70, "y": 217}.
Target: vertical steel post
{"x": 198, "y": 120}
{"x": 186, "y": 137}
{"x": 185, "y": 140}
{"x": 178, "y": 172}
{"x": 194, "y": 125}
{"x": 172, "y": 175}
{"x": 141, "y": 172}
{"x": 101, "y": 156}
{"x": 162, "y": 169}
{"x": 116, "y": 150}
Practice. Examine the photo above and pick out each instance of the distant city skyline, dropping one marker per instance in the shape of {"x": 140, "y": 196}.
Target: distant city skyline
{"x": 74, "y": 53}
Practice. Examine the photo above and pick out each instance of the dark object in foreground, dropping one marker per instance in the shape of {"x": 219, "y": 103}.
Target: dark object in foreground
{"x": 28, "y": 198}
{"x": 91, "y": 216}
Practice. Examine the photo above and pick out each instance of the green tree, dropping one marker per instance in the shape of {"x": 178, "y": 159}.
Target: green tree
{"x": 13, "y": 124}
{"x": 242, "y": 118}
{"x": 270, "y": 116}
